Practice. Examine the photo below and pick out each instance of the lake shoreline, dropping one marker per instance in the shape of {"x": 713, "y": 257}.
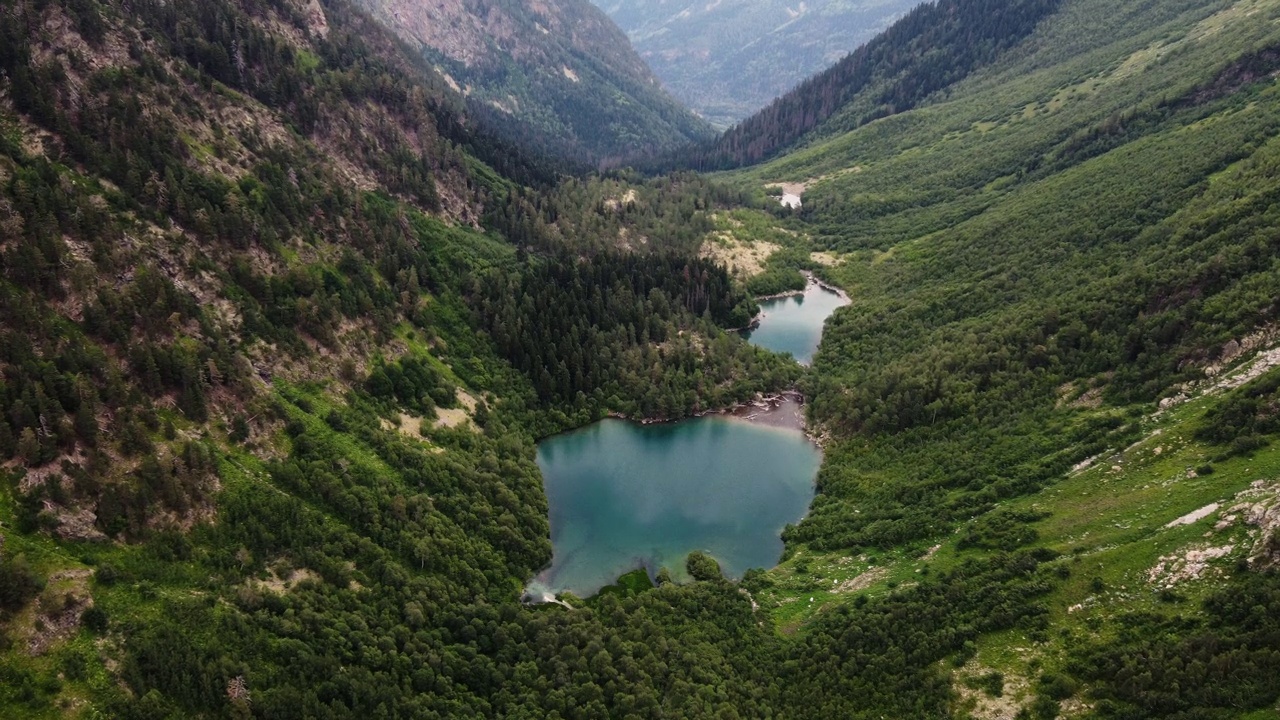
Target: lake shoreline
{"x": 810, "y": 279}
{"x": 794, "y": 322}
{"x": 627, "y": 495}
{"x": 777, "y": 411}
{"x": 767, "y": 409}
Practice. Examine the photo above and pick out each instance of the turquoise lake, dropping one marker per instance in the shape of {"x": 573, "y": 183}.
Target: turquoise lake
{"x": 794, "y": 323}
{"x": 624, "y": 496}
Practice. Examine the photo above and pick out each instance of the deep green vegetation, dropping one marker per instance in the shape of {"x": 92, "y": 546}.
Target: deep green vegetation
{"x": 671, "y": 213}
{"x": 270, "y": 391}
{"x": 215, "y": 269}
{"x": 1036, "y": 257}
{"x": 1215, "y": 666}
{"x": 18, "y": 584}
{"x": 1245, "y": 418}
{"x": 956, "y": 349}
{"x": 776, "y": 280}
{"x": 637, "y": 334}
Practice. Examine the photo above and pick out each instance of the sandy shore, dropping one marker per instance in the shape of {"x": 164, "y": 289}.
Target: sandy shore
{"x": 783, "y": 410}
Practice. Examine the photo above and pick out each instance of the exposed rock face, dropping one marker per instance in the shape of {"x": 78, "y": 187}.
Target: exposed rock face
{"x": 555, "y": 73}
{"x": 1190, "y": 565}
{"x": 316, "y": 20}
{"x": 1260, "y": 506}
{"x": 483, "y": 32}
{"x": 1251, "y": 520}
{"x": 1247, "y": 529}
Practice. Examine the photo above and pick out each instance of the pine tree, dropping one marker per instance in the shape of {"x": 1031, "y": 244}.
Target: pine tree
{"x": 8, "y": 443}
{"x": 192, "y": 401}
{"x": 86, "y": 424}
{"x": 29, "y": 447}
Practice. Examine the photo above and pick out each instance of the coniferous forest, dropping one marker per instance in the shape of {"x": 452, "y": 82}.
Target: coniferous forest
{"x": 283, "y": 317}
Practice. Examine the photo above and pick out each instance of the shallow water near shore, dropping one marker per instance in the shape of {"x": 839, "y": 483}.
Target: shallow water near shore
{"x": 624, "y": 495}
{"x": 794, "y": 323}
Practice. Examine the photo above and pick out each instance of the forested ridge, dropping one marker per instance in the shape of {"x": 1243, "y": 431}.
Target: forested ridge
{"x": 934, "y": 45}
{"x": 281, "y": 323}
{"x": 226, "y": 282}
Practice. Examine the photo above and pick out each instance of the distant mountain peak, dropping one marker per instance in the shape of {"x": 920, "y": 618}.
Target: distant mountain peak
{"x": 559, "y": 74}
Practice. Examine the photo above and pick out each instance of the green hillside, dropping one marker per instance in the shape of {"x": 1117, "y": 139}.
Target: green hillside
{"x": 1112, "y": 236}
{"x": 1040, "y": 256}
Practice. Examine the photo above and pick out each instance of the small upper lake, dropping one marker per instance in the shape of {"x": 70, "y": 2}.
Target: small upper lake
{"x": 793, "y": 323}
{"x": 624, "y": 495}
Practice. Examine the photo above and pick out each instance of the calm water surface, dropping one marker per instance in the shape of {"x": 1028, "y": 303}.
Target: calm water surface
{"x": 624, "y": 495}
{"x": 794, "y": 324}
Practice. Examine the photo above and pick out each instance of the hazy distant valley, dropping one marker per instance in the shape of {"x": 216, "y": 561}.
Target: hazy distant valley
{"x": 727, "y": 59}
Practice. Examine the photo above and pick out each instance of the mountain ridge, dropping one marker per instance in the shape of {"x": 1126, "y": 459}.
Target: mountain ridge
{"x": 933, "y": 46}
{"x": 556, "y": 74}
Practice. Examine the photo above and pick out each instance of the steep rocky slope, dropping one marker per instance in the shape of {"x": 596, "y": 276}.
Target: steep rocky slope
{"x": 555, "y": 74}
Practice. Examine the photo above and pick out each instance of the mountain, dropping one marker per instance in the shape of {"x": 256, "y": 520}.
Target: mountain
{"x": 729, "y": 58}
{"x": 556, "y": 75}
{"x": 1082, "y": 213}
{"x": 1061, "y": 260}
{"x": 254, "y": 425}
{"x": 934, "y": 46}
